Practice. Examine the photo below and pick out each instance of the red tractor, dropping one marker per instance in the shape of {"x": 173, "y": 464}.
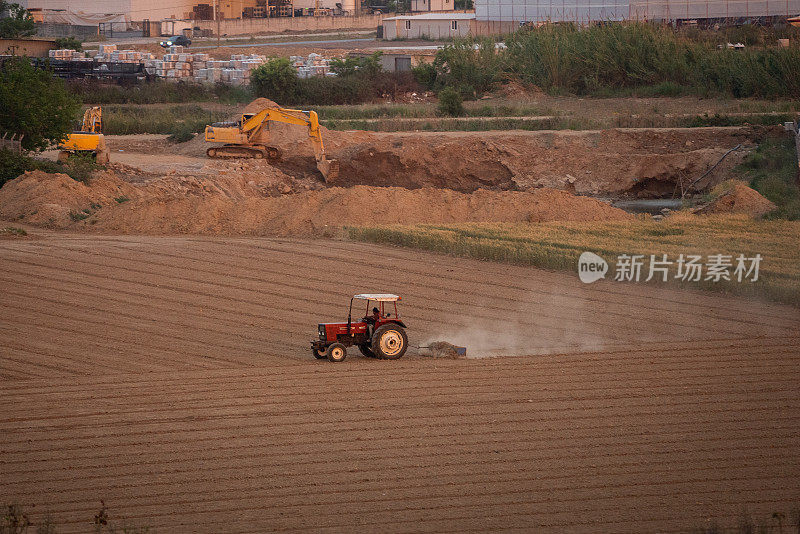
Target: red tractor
{"x": 377, "y": 335}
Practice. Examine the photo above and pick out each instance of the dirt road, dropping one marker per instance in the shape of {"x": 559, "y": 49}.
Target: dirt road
{"x": 171, "y": 378}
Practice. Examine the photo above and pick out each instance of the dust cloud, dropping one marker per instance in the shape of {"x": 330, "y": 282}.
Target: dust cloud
{"x": 536, "y": 325}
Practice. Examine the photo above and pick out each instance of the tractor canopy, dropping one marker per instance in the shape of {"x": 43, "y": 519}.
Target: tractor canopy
{"x": 378, "y": 297}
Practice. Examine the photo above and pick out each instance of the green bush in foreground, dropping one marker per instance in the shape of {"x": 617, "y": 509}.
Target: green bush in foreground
{"x": 450, "y": 102}
{"x": 79, "y": 167}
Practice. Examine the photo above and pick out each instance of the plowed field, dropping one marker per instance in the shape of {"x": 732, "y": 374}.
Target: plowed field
{"x": 171, "y": 378}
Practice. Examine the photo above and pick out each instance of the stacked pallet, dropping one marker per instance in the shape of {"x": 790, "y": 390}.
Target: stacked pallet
{"x": 313, "y": 65}
{"x": 65, "y": 54}
{"x": 235, "y": 71}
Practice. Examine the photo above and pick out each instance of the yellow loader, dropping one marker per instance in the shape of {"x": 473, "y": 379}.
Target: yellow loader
{"x": 249, "y": 137}
{"x": 89, "y": 140}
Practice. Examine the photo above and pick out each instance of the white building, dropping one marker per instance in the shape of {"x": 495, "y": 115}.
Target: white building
{"x": 429, "y": 25}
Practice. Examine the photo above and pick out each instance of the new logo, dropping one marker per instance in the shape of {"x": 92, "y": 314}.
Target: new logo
{"x": 591, "y": 267}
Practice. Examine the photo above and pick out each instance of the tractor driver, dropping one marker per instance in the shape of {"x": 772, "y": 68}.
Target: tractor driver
{"x": 373, "y": 319}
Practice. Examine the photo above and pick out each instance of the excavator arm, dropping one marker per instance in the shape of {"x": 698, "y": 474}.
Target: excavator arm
{"x": 92, "y": 120}
{"x": 252, "y": 126}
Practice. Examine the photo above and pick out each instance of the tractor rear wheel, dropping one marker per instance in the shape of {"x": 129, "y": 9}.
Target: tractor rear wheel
{"x": 389, "y": 342}
{"x": 318, "y": 354}
{"x": 366, "y": 351}
{"x": 337, "y": 352}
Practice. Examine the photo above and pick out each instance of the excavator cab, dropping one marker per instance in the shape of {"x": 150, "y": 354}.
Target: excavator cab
{"x": 250, "y": 137}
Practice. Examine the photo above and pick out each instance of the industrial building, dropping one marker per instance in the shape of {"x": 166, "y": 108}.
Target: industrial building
{"x": 502, "y": 16}
{"x": 432, "y": 5}
{"x": 89, "y": 12}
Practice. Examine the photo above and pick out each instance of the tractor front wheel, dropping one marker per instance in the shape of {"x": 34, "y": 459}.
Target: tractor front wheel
{"x": 337, "y": 352}
{"x": 318, "y": 354}
{"x": 389, "y": 342}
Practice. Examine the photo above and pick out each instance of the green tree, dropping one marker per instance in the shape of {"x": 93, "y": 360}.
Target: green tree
{"x": 16, "y": 21}
{"x": 71, "y": 43}
{"x": 473, "y": 66}
{"x": 366, "y": 66}
{"x": 450, "y": 102}
{"x": 276, "y": 79}
{"x": 35, "y": 104}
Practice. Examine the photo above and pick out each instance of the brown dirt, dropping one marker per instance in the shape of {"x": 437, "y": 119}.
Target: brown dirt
{"x": 645, "y": 162}
{"x": 171, "y": 377}
{"x": 258, "y": 104}
{"x": 736, "y": 197}
{"x": 641, "y": 162}
{"x": 230, "y": 204}
{"x": 516, "y": 91}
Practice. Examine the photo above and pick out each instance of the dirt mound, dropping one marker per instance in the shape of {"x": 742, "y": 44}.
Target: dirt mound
{"x": 231, "y": 205}
{"x": 258, "y": 104}
{"x": 515, "y": 90}
{"x": 736, "y": 197}
{"x": 54, "y": 199}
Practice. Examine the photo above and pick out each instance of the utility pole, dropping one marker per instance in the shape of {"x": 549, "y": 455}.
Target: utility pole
{"x": 216, "y": 17}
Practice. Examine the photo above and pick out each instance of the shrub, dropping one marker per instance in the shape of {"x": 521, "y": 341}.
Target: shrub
{"x": 78, "y": 167}
{"x": 474, "y": 66}
{"x": 277, "y": 79}
{"x": 350, "y": 66}
{"x": 182, "y": 134}
{"x": 35, "y": 104}
{"x": 12, "y": 165}
{"x": 772, "y": 171}
{"x": 425, "y": 74}
{"x": 632, "y": 55}
{"x": 280, "y": 83}
{"x": 450, "y": 102}
{"x": 70, "y": 43}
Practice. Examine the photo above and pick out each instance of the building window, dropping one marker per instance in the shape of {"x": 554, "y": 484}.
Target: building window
{"x": 408, "y": 24}
{"x": 454, "y": 25}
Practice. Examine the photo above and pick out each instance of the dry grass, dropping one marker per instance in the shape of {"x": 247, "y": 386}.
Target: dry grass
{"x": 558, "y": 245}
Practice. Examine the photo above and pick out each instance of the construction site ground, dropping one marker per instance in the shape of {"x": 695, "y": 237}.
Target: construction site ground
{"x": 155, "y": 326}
{"x": 171, "y": 378}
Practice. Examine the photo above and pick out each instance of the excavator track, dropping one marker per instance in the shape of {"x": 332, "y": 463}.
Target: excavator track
{"x": 239, "y": 151}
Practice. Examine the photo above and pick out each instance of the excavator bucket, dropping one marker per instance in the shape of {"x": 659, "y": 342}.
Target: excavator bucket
{"x": 329, "y": 169}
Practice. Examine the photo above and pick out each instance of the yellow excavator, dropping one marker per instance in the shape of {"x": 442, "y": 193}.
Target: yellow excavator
{"x": 89, "y": 140}
{"x": 250, "y": 137}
